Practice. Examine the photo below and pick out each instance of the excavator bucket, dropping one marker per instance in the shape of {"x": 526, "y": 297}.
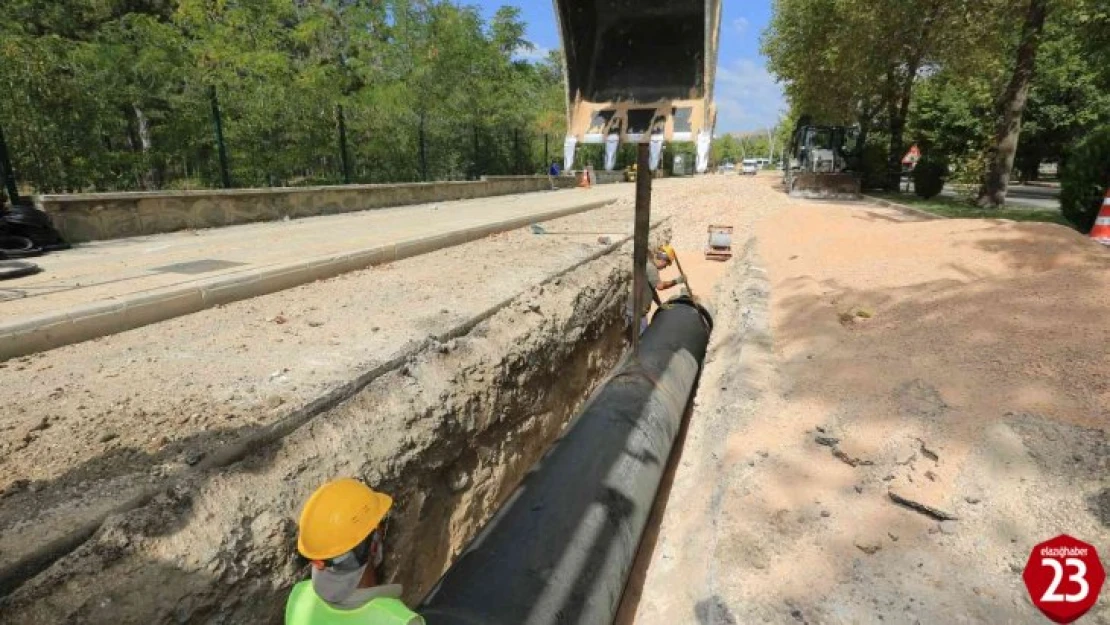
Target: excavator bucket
{"x": 639, "y": 70}
{"x": 825, "y": 186}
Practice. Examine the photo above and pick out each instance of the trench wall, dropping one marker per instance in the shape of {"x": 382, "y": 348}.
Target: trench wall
{"x": 449, "y": 432}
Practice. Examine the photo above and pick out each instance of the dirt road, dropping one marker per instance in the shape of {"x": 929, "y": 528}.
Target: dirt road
{"x": 960, "y": 364}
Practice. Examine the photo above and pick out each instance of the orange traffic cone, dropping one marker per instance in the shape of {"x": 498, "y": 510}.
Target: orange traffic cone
{"x": 584, "y": 179}
{"x": 1101, "y": 231}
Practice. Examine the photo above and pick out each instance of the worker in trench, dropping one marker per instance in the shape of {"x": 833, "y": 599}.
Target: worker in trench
{"x": 341, "y": 531}
{"x": 658, "y": 260}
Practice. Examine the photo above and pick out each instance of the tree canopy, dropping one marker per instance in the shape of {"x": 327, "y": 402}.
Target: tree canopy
{"x": 945, "y": 73}
{"x": 116, "y": 94}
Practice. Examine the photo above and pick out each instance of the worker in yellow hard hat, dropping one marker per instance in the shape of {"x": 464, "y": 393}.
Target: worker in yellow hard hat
{"x": 659, "y": 259}
{"x": 341, "y": 533}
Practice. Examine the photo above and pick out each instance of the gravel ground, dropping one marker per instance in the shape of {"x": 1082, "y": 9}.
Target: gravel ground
{"x": 956, "y": 363}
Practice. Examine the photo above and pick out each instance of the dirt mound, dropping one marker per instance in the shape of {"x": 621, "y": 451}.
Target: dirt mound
{"x": 960, "y": 365}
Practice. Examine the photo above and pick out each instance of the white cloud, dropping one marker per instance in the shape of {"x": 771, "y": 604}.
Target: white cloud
{"x": 748, "y": 98}
{"x": 741, "y": 25}
{"x": 535, "y": 55}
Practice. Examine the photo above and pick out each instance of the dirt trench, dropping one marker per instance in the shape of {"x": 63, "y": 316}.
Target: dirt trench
{"x": 449, "y": 433}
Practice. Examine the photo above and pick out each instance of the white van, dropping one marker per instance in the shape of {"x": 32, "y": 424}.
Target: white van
{"x": 750, "y": 166}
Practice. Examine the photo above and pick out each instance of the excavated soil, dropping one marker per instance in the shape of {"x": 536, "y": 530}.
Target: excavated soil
{"x": 441, "y": 379}
{"x": 858, "y": 352}
{"x": 448, "y": 433}
{"x": 95, "y": 426}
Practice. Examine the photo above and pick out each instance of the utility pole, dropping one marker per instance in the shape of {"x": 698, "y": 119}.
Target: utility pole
{"x": 225, "y": 172}
{"x": 343, "y": 144}
{"x": 546, "y": 153}
{"x": 8, "y": 172}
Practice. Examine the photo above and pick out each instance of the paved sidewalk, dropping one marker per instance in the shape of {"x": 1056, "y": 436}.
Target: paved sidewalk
{"x": 111, "y": 286}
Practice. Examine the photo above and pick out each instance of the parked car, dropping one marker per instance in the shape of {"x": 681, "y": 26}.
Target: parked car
{"x": 749, "y": 167}
{"x": 726, "y": 168}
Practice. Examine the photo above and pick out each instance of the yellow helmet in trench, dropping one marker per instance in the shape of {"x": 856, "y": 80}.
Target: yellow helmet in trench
{"x": 339, "y": 516}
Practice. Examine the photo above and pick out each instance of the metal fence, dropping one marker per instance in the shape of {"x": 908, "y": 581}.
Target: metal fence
{"x": 215, "y": 139}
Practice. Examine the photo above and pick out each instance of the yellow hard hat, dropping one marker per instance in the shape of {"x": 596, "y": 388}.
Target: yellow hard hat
{"x": 668, "y": 250}
{"x": 339, "y": 516}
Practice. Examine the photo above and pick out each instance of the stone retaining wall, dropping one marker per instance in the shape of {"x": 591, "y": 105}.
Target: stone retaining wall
{"x": 99, "y": 216}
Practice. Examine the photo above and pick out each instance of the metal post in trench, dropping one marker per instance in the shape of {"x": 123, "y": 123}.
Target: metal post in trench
{"x": 640, "y": 238}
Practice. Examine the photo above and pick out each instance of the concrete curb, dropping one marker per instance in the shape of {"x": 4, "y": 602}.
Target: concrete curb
{"x": 40, "y": 333}
{"x": 909, "y": 210}
{"x": 13, "y": 575}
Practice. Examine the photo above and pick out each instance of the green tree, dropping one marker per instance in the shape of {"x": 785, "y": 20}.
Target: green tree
{"x": 1011, "y": 107}
{"x": 846, "y": 61}
{"x": 113, "y": 94}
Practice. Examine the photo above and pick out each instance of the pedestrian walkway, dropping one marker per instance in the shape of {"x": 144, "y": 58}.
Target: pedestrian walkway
{"x": 109, "y": 286}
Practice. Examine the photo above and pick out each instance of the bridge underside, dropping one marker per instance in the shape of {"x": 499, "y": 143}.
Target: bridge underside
{"x": 639, "y": 68}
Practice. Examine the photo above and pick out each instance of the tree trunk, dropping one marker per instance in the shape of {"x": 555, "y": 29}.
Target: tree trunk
{"x": 1010, "y": 108}
{"x": 898, "y": 110}
{"x": 142, "y": 128}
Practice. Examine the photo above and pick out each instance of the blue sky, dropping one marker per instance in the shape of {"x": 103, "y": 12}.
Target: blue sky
{"x": 747, "y": 96}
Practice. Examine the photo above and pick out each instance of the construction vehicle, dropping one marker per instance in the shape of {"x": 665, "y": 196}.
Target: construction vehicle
{"x": 822, "y": 162}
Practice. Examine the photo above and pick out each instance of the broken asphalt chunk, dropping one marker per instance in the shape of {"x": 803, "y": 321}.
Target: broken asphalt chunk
{"x": 928, "y": 453}
{"x": 849, "y": 460}
{"x": 929, "y": 511}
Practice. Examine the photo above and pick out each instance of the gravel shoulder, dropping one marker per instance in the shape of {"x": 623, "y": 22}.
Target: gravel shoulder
{"x": 957, "y": 364}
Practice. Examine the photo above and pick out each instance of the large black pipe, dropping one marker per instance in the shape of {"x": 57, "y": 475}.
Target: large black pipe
{"x": 561, "y": 548}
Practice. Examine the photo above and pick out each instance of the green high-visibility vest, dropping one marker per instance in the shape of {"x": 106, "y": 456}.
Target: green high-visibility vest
{"x": 305, "y": 607}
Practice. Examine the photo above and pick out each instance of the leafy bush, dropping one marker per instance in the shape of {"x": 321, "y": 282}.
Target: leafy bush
{"x": 929, "y": 176}
{"x": 967, "y": 174}
{"x": 1084, "y": 179}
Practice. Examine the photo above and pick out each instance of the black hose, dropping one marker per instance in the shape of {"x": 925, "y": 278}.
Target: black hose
{"x": 27, "y": 216}
{"x": 18, "y": 247}
{"x": 561, "y": 548}
{"x": 16, "y": 269}
{"x": 31, "y": 223}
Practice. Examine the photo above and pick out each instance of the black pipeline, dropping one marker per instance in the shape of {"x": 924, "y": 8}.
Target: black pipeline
{"x": 561, "y": 548}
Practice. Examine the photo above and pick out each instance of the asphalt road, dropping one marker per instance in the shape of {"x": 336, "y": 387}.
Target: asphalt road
{"x": 1025, "y": 196}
